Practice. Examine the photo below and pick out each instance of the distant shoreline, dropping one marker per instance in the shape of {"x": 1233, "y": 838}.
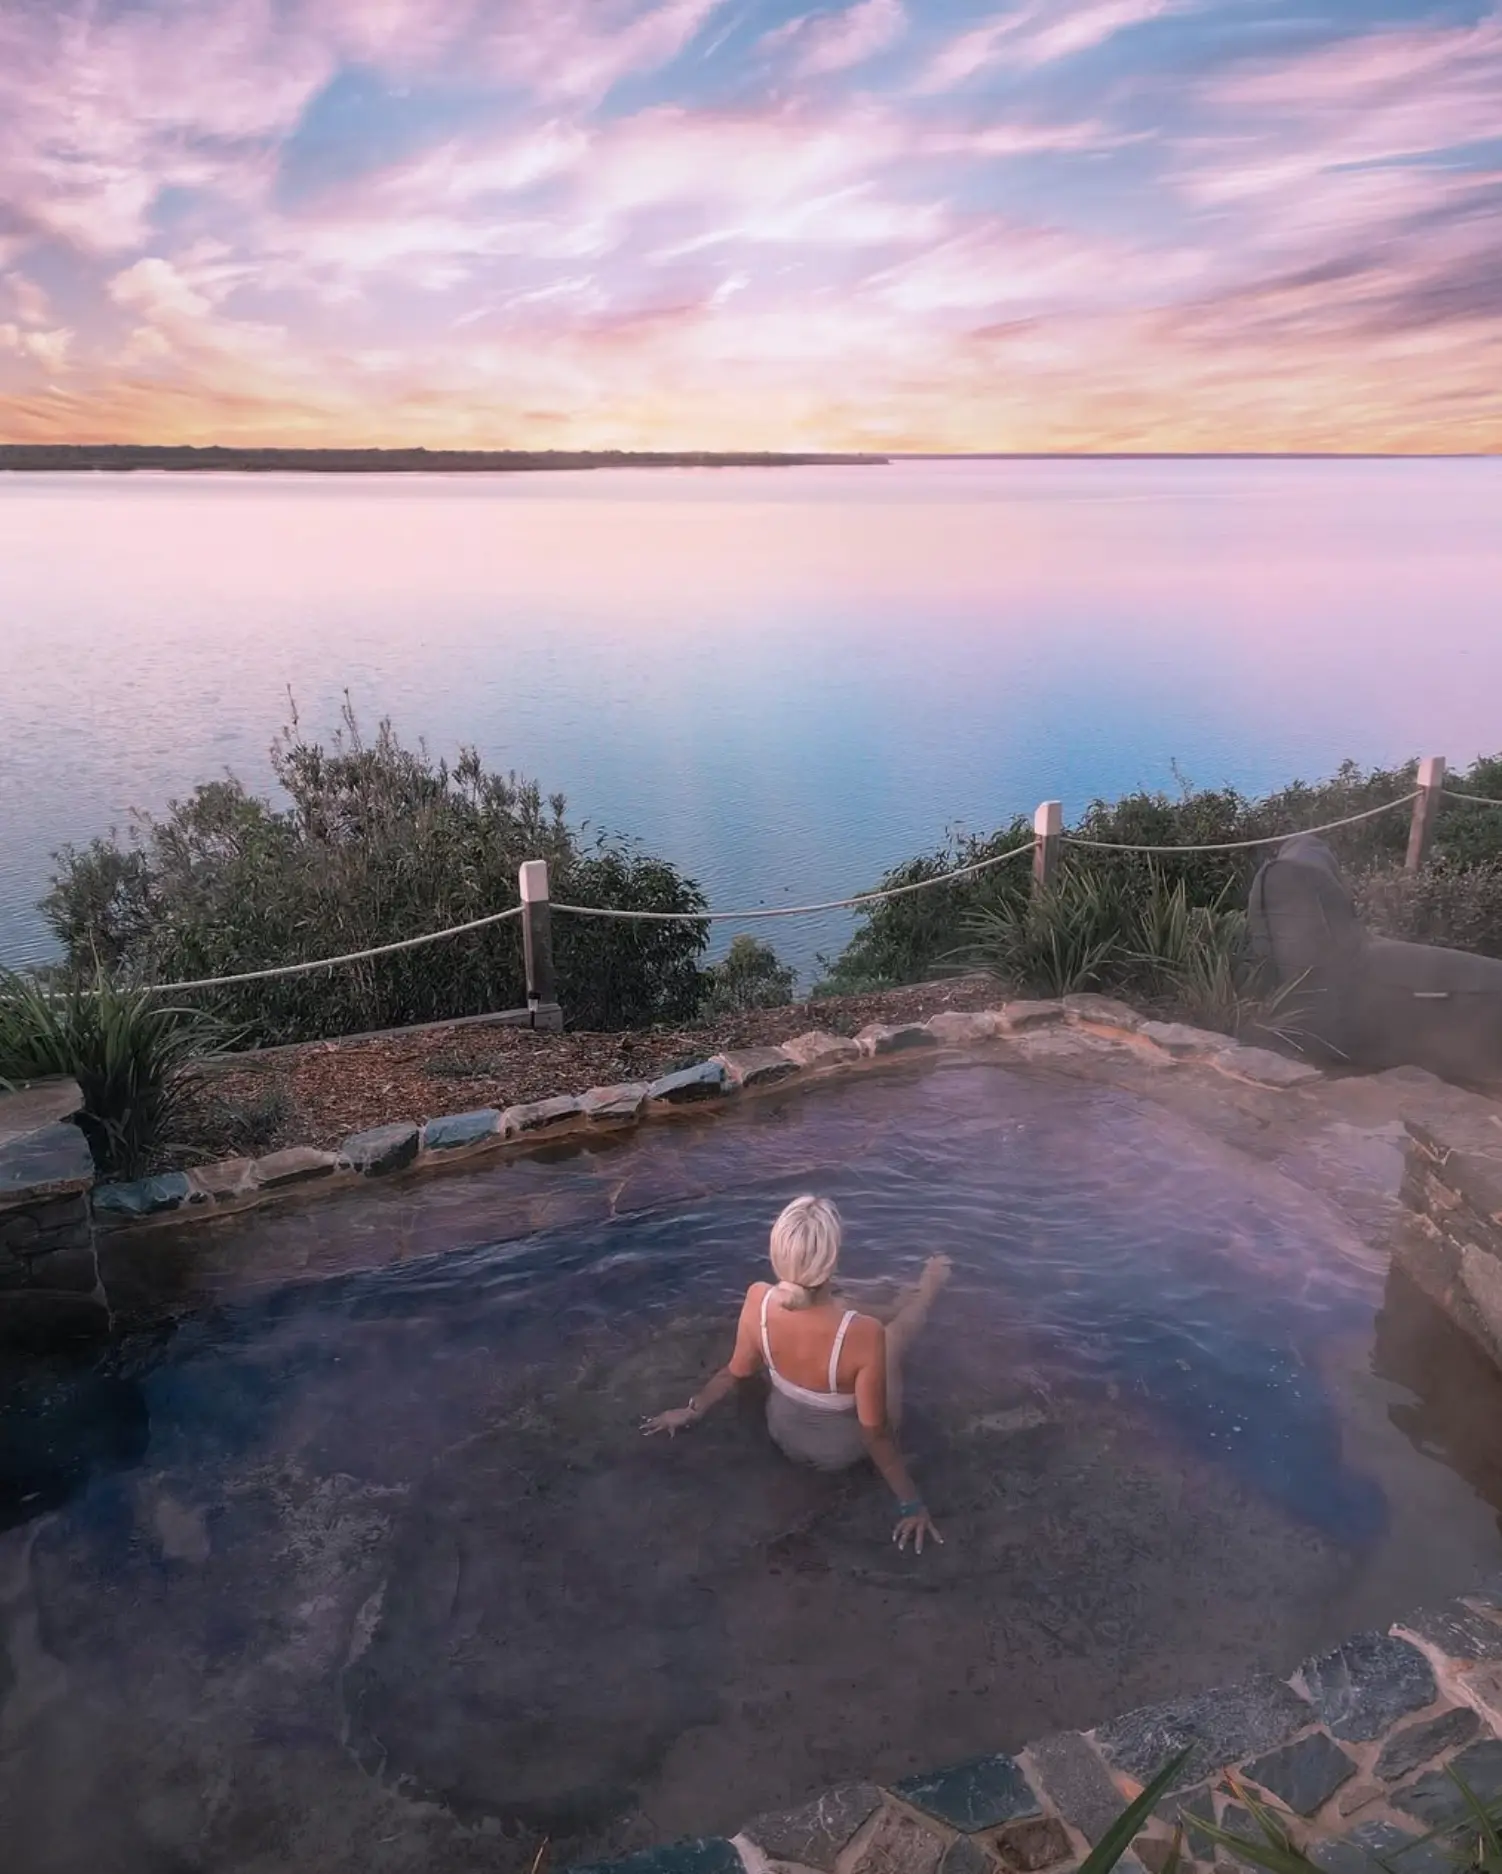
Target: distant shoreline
{"x": 119, "y": 457}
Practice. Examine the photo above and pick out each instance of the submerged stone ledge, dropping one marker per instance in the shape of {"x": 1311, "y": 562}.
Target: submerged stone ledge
{"x": 1351, "y": 1754}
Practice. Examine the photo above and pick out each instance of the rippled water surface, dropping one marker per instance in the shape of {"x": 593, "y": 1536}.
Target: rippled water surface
{"x": 394, "y": 1535}
{"x": 784, "y": 681}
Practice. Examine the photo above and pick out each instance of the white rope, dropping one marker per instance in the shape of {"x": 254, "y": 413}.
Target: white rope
{"x": 795, "y": 910}
{"x": 325, "y": 963}
{"x": 1242, "y": 845}
{"x": 1473, "y": 800}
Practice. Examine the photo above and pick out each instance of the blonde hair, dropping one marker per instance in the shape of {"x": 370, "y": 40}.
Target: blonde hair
{"x": 805, "y": 1249}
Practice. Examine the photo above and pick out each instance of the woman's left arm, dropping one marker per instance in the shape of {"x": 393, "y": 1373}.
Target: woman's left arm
{"x": 741, "y": 1365}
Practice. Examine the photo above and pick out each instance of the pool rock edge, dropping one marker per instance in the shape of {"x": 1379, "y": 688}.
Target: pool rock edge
{"x": 412, "y": 1147}
{"x": 1350, "y": 1752}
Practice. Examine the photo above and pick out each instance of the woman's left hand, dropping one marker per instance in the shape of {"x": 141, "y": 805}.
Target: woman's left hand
{"x": 679, "y": 1419}
{"x": 914, "y": 1528}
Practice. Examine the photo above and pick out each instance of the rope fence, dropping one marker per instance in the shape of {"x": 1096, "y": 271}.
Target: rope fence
{"x": 1045, "y": 846}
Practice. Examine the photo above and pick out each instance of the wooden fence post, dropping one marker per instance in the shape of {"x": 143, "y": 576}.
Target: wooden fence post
{"x": 537, "y": 946}
{"x": 1048, "y": 832}
{"x": 1425, "y": 811}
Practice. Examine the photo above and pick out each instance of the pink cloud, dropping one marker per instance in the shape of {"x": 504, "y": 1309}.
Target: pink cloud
{"x": 1034, "y": 34}
{"x": 822, "y": 43}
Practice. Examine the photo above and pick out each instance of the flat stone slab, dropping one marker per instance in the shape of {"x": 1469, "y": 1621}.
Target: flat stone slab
{"x": 757, "y": 1067}
{"x": 620, "y": 1103}
{"x": 980, "y": 1794}
{"x": 1028, "y": 1846}
{"x": 1015, "y": 1016}
{"x": 818, "y": 1049}
{"x": 225, "y": 1178}
{"x": 1303, "y": 1776}
{"x": 708, "y": 1855}
{"x": 1406, "y": 1750}
{"x": 1457, "y": 1631}
{"x": 1362, "y": 1688}
{"x": 1103, "y": 1012}
{"x": 1260, "y": 1067}
{"x": 960, "y": 1028}
{"x": 705, "y": 1081}
{"x": 50, "y": 1160}
{"x": 1217, "y": 1727}
{"x": 814, "y": 1834}
{"x": 1076, "y": 1781}
{"x": 454, "y": 1131}
{"x": 1436, "y": 1800}
{"x": 964, "y": 1855}
{"x": 142, "y": 1197}
{"x": 1182, "y": 1041}
{"x": 299, "y": 1164}
{"x": 899, "y": 1845}
{"x": 883, "y": 1038}
{"x": 381, "y": 1150}
{"x": 41, "y": 1103}
{"x": 541, "y": 1115}
{"x": 1366, "y": 1850}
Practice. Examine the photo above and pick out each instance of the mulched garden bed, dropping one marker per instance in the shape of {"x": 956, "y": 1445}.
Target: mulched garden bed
{"x": 319, "y": 1093}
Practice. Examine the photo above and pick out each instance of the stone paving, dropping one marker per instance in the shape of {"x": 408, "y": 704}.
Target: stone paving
{"x": 49, "y": 1275}
{"x": 1352, "y": 1754}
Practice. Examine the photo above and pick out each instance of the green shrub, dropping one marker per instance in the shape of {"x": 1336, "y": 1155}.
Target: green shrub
{"x": 1445, "y": 903}
{"x": 124, "y": 1047}
{"x": 375, "y": 842}
{"x": 910, "y": 939}
{"x": 750, "y": 977}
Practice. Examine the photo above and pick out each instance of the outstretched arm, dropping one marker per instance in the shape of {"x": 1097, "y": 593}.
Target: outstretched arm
{"x": 913, "y": 1519}
{"x": 742, "y": 1363}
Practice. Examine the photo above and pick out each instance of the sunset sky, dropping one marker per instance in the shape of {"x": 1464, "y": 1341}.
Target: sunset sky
{"x": 896, "y": 224}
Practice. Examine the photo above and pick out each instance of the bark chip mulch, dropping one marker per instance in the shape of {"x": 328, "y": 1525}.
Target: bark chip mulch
{"x": 319, "y": 1093}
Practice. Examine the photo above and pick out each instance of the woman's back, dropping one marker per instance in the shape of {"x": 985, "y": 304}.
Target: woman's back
{"x": 805, "y": 1345}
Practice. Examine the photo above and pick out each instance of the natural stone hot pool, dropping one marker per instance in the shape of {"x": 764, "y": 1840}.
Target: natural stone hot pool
{"x": 377, "y": 1572}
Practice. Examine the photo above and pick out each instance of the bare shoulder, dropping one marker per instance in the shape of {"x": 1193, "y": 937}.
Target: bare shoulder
{"x": 754, "y": 1295}
{"x": 867, "y": 1337}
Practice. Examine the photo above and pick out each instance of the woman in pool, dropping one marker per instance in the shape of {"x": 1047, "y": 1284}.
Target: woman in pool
{"x": 836, "y": 1375}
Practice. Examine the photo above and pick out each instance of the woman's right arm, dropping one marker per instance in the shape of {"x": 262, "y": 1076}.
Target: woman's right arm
{"x": 913, "y": 1519}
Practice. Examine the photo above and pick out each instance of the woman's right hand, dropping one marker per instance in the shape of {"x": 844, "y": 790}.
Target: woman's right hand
{"x": 915, "y": 1527}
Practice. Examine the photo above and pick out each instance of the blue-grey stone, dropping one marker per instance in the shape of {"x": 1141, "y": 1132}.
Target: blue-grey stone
{"x": 1077, "y": 1782}
{"x": 708, "y": 1855}
{"x": 704, "y": 1082}
{"x": 1366, "y": 1685}
{"x": 1406, "y": 1750}
{"x": 455, "y": 1129}
{"x": 1303, "y": 1776}
{"x": 1216, "y": 1727}
{"x": 381, "y": 1150}
{"x": 1184, "y": 1810}
{"x": 813, "y": 1834}
{"x": 1436, "y": 1799}
{"x": 966, "y": 1856}
{"x": 1455, "y": 1630}
{"x": 145, "y": 1197}
{"x": 980, "y": 1794}
{"x": 1366, "y": 1850}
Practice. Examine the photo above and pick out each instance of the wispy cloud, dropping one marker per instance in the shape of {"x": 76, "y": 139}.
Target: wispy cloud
{"x": 1034, "y": 35}
{"x": 824, "y": 43}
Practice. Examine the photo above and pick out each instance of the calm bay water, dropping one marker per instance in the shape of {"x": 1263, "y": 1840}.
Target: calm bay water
{"x": 786, "y": 681}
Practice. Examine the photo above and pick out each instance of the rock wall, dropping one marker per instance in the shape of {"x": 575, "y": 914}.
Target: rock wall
{"x": 49, "y": 1273}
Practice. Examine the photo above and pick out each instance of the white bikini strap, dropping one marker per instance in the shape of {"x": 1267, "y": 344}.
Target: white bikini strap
{"x": 766, "y": 1342}
{"x": 834, "y": 1352}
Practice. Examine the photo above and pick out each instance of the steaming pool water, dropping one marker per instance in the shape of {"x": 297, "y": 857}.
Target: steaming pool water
{"x": 377, "y": 1571}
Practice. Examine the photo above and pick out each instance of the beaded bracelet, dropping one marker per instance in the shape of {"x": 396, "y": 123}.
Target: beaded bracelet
{"x": 914, "y": 1508}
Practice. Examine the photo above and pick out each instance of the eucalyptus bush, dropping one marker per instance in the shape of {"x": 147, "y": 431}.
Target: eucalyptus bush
{"x": 373, "y": 841}
{"x": 751, "y": 977}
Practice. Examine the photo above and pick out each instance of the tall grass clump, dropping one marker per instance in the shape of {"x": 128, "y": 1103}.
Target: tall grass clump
{"x": 126, "y": 1049}
{"x": 371, "y": 842}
